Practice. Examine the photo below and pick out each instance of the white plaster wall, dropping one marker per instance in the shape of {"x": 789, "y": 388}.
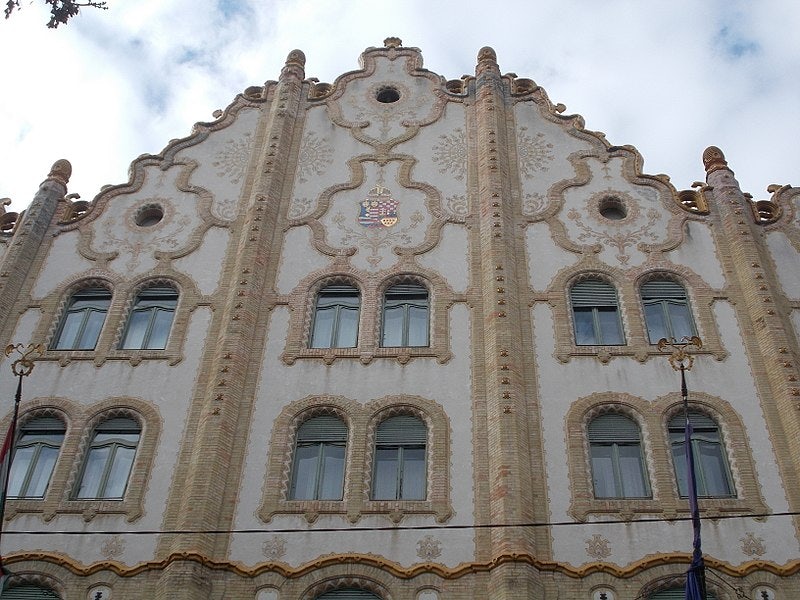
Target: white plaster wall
{"x": 298, "y": 259}
{"x": 787, "y": 260}
{"x": 732, "y": 380}
{"x": 63, "y": 262}
{"x": 204, "y": 265}
{"x": 538, "y": 244}
{"x": 448, "y": 385}
{"x": 223, "y": 158}
{"x": 167, "y": 388}
{"x": 698, "y": 252}
{"x": 449, "y": 257}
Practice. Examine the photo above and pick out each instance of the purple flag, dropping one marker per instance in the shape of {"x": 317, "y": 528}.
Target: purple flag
{"x": 695, "y": 576}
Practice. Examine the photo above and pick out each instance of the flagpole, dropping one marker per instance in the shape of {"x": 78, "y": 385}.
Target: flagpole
{"x": 682, "y": 361}
{"x": 21, "y": 367}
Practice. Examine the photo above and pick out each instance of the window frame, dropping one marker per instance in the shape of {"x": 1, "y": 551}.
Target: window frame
{"x": 84, "y": 294}
{"x": 405, "y": 293}
{"x": 595, "y": 296}
{"x": 142, "y": 295}
{"x": 701, "y": 422}
{"x": 339, "y": 292}
{"x": 613, "y": 438}
{"x": 672, "y": 294}
{"x": 112, "y": 426}
{"x": 397, "y": 440}
{"x": 322, "y": 442}
{"x": 36, "y": 427}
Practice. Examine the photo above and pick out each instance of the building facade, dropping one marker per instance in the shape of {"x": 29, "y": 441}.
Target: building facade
{"x": 395, "y": 337}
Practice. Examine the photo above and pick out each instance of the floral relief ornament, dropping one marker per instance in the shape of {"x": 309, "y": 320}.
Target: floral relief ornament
{"x": 274, "y": 548}
{"x": 232, "y": 159}
{"x": 316, "y": 155}
{"x": 450, "y": 154}
{"x": 535, "y": 153}
{"x": 752, "y": 545}
{"x": 429, "y": 548}
{"x": 598, "y": 547}
{"x": 113, "y": 547}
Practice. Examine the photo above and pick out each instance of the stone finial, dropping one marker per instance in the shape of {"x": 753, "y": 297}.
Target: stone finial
{"x": 61, "y": 171}
{"x": 392, "y": 42}
{"x": 296, "y": 58}
{"x": 487, "y": 53}
{"x": 714, "y": 159}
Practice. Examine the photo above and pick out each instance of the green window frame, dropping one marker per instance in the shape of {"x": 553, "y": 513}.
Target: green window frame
{"x": 83, "y": 320}
{"x": 617, "y": 459}
{"x": 400, "y": 461}
{"x": 318, "y": 462}
{"x": 595, "y": 314}
{"x": 109, "y": 460}
{"x": 666, "y": 310}
{"x": 35, "y": 455}
{"x": 336, "y": 315}
{"x": 151, "y": 317}
{"x": 712, "y": 472}
{"x": 405, "y": 319}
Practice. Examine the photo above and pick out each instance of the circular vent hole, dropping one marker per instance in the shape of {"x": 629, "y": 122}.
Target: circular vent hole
{"x": 149, "y": 215}
{"x": 613, "y": 209}
{"x": 387, "y": 95}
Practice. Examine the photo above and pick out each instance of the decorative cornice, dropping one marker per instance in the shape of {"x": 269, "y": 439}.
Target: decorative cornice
{"x": 400, "y": 572}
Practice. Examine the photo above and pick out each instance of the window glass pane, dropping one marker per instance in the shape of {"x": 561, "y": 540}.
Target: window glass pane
{"x": 93, "y": 472}
{"x": 417, "y": 326}
{"x": 306, "y": 461}
{"x": 40, "y": 476}
{"x": 631, "y": 472}
{"x": 160, "y": 331}
{"x": 603, "y": 471}
{"x": 393, "y": 327}
{"x": 22, "y": 462}
{"x": 656, "y": 326}
{"x": 347, "y": 333}
{"x": 69, "y": 331}
{"x": 91, "y": 330}
{"x": 323, "y": 328}
{"x": 332, "y": 472}
{"x": 137, "y": 328}
{"x": 681, "y": 320}
{"x": 584, "y": 327}
{"x": 413, "y": 482}
{"x": 715, "y": 472}
{"x": 120, "y": 470}
{"x": 610, "y": 330}
{"x": 384, "y": 484}
{"x": 679, "y": 461}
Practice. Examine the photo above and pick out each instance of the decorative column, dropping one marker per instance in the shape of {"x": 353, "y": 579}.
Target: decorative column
{"x": 764, "y": 320}
{"x": 205, "y": 490}
{"x": 504, "y": 383}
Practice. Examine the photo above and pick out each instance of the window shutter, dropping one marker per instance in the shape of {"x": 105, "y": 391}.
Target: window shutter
{"x": 402, "y": 430}
{"x": 413, "y": 290}
{"x": 339, "y": 289}
{"x": 614, "y": 427}
{"x": 663, "y": 289}
{"x": 593, "y": 292}
{"x": 324, "y": 428}
{"x": 697, "y": 419}
{"x": 29, "y": 592}
{"x": 348, "y": 595}
{"x": 158, "y": 292}
{"x": 118, "y": 424}
{"x": 48, "y": 424}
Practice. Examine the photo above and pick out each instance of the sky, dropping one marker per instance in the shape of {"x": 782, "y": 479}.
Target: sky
{"x": 668, "y": 77}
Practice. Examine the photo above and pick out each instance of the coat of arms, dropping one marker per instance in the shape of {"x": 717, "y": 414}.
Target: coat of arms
{"x": 379, "y": 209}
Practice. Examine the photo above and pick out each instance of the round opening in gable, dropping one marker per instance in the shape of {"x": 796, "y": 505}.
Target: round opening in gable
{"x": 149, "y": 215}
{"x": 612, "y": 208}
{"x": 387, "y": 95}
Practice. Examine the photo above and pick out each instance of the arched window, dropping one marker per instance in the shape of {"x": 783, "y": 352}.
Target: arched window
{"x": 617, "y": 461}
{"x": 666, "y": 310}
{"x": 348, "y": 594}
{"x": 336, "y": 317}
{"x": 710, "y": 463}
{"x": 405, "y": 316}
{"x": 28, "y": 591}
{"x": 319, "y": 458}
{"x": 35, "y": 456}
{"x": 81, "y": 324}
{"x": 399, "y": 471}
{"x": 109, "y": 460}
{"x": 595, "y": 312}
{"x": 151, "y": 319}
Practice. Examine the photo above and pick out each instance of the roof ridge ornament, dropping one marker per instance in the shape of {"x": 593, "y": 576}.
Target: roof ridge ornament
{"x": 392, "y": 42}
